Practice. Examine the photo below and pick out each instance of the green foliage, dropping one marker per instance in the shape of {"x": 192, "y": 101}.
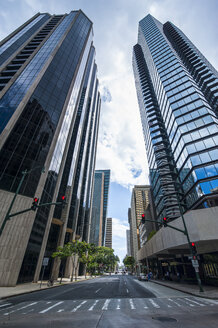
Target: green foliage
{"x": 151, "y": 234}
{"x": 129, "y": 261}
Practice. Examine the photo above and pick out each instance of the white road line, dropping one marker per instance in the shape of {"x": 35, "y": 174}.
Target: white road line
{"x": 169, "y": 299}
{"x": 28, "y": 311}
{"x": 127, "y": 290}
{"x": 92, "y": 307}
{"x": 106, "y": 303}
{"x": 78, "y": 306}
{"x": 61, "y": 310}
{"x": 192, "y": 305}
{"x": 118, "y": 305}
{"x": 97, "y": 290}
{"x": 48, "y": 302}
{"x": 5, "y": 304}
{"x": 194, "y": 302}
{"x": 153, "y": 303}
{"x": 51, "y": 307}
{"x": 131, "y": 304}
{"x": 23, "y": 307}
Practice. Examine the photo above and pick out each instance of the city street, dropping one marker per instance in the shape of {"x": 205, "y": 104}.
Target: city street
{"x": 109, "y": 301}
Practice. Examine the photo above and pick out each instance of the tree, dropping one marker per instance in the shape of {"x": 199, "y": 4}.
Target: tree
{"x": 129, "y": 261}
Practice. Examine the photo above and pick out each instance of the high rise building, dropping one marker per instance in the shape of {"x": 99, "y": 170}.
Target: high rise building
{"x": 108, "y": 233}
{"x": 49, "y": 114}
{"x": 105, "y": 201}
{"x": 97, "y": 210}
{"x": 140, "y": 204}
{"x": 128, "y": 246}
{"x": 178, "y": 96}
{"x": 177, "y": 91}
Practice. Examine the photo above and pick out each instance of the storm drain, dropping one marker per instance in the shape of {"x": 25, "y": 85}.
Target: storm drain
{"x": 165, "y": 319}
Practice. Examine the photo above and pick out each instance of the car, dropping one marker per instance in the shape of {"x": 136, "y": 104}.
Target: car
{"x": 142, "y": 277}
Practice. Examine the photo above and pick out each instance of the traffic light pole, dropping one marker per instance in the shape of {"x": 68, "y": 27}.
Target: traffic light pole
{"x": 185, "y": 232}
{"x": 7, "y": 216}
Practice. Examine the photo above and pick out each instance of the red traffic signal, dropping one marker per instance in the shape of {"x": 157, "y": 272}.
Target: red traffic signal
{"x": 165, "y": 221}
{"x": 143, "y": 218}
{"x": 35, "y": 203}
{"x": 63, "y": 200}
{"x": 193, "y": 247}
{"x": 193, "y": 244}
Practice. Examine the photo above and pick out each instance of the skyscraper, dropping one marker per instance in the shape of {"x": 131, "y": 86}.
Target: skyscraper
{"x": 178, "y": 96}
{"x": 140, "y": 204}
{"x": 49, "y": 116}
{"x": 99, "y": 206}
{"x": 105, "y": 200}
{"x": 108, "y": 233}
{"x": 128, "y": 246}
{"x": 97, "y": 210}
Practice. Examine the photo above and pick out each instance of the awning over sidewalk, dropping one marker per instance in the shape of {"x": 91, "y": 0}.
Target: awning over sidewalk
{"x": 202, "y": 226}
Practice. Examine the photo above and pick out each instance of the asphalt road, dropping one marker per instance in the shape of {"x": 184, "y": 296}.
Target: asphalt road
{"x": 110, "y": 301}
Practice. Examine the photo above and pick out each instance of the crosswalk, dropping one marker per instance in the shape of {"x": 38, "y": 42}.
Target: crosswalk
{"x": 142, "y": 304}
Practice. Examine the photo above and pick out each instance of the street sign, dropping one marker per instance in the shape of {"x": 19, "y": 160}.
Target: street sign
{"x": 195, "y": 263}
{"x": 45, "y": 261}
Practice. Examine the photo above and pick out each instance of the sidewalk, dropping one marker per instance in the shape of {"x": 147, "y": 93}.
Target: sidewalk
{"x": 33, "y": 287}
{"x": 209, "y": 291}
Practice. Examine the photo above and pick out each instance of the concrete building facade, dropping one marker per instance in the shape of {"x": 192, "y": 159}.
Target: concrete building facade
{"x": 108, "y": 233}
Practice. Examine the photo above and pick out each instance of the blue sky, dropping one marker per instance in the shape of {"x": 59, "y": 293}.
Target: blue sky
{"x": 120, "y": 145}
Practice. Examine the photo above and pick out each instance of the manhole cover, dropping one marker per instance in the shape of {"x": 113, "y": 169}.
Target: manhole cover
{"x": 164, "y": 319}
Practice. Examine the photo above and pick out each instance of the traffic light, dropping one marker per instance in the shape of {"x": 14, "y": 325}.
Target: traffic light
{"x": 165, "y": 222}
{"x": 194, "y": 251}
{"x": 34, "y": 203}
{"x": 63, "y": 200}
{"x": 143, "y": 219}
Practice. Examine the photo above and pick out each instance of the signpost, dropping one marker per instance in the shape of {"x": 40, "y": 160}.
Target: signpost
{"x": 44, "y": 264}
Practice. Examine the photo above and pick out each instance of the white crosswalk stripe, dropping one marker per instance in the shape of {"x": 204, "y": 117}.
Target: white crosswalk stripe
{"x": 92, "y": 307}
{"x": 105, "y": 305}
{"x": 78, "y": 306}
{"x": 51, "y": 307}
{"x": 154, "y": 303}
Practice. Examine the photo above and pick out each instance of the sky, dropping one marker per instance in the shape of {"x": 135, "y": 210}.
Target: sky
{"x": 115, "y": 22}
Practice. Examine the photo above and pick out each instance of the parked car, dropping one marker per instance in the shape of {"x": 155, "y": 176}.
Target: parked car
{"x": 143, "y": 277}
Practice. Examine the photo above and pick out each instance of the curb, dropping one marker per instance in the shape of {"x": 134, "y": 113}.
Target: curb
{"x": 38, "y": 290}
{"x": 184, "y": 291}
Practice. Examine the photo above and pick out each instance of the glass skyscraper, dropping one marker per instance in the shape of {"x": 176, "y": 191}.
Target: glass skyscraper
{"x": 49, "y": 117}
{"x": 177, "y": 91}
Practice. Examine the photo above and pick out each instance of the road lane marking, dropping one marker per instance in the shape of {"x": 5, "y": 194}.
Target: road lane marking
{"x": 92, "y": 307}
{"x": 48, "y": 302}
{"x": 51, "y": 307}
{"x": 78, "y": 306}
{"x": 169, "y": 299}
{"x": 153, "y": 303}
{"x": 97, "y": 290}
{"x": 131, "y": 304}
{"x": 106, "y": 303}
{"x": 127, "y": 290}
{"x": 118, "y": 305}
{"x": 5, "y": 304}
{"x": 192, "y": 305}
{"x": 23, "y": 307}
{"x": 61, "y": 310}
{"x": 194, "y": 302}
{"x": 28, "y": 311}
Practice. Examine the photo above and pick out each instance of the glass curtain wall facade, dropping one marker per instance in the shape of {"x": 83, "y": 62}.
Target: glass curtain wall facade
{"x": 50, "y": 106}
{"x": 106, "y": 196}
{"x": 177, "y": 92}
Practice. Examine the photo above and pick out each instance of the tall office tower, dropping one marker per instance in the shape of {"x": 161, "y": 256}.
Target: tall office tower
{"x": 131, "y": 231}
{"x": 49, "y": 114}
{"x": 97, "y": 210}
{"x": 128, "y": 246}
{"x": 177, "y": 93}
{"x": 108, "y": 233}
{"x": 106, "y": 196}
{"x": 140, "y": 204}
